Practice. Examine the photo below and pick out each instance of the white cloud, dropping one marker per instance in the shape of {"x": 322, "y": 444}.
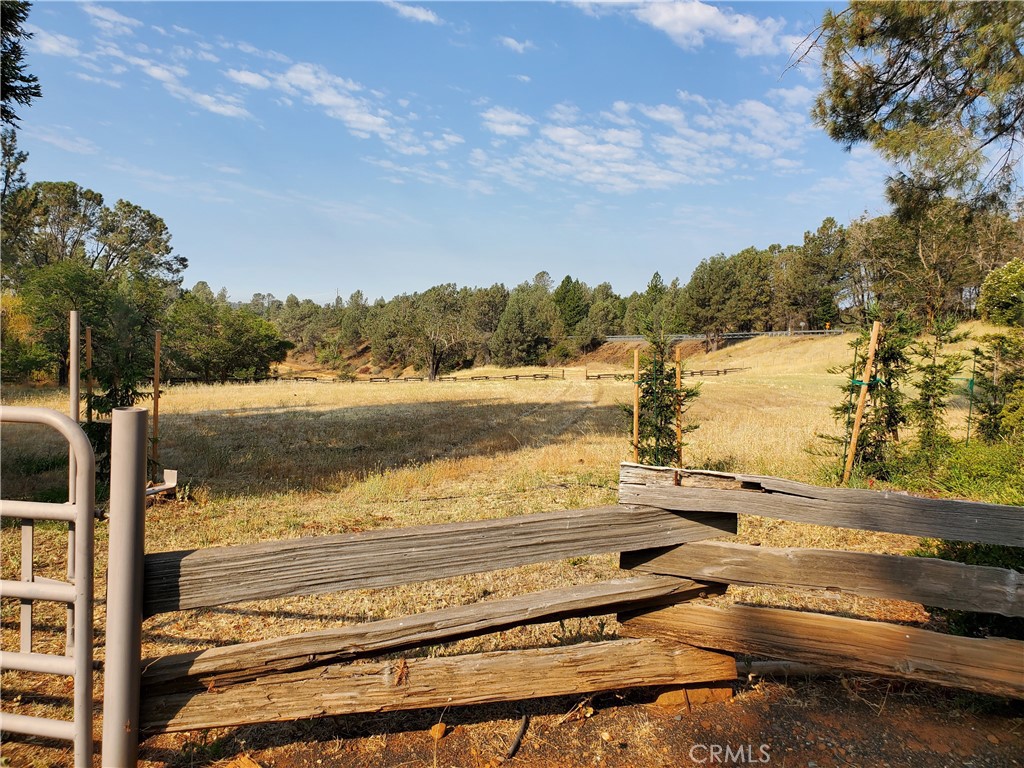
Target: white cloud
{"x": 630, "y": 147}
{"x": 51, "y": 43}
{"x": 252, "y": 50}
{"x": 564, "y": 113}
{"x": 218, "y": 104}
{"x": 515, "y": 45}
{"x": 247, "y": 78}
{"x": 414, "y": 12}
{"x": 522, "y": 78}
{"x": 171, "y": 75}
{"x": 97, "y": 80}
{"x": 109, "y": 21}
{"x": 61, "y": 137}
{"x": 691, "y": 22}
{"x": 507, "y": 122}
{"x": 798, "y": 97}
{"x": 336, "y": 96}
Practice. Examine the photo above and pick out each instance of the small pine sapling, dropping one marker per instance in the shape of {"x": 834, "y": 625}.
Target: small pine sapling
{"x": 663, "y": 406}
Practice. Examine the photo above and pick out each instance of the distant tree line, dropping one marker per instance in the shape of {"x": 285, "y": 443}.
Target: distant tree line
{"x": 925, "y": 268}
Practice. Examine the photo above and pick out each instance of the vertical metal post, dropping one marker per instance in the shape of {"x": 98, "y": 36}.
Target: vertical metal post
{"x": 124, "y": 588}
{"x": 74, "y": 355}
{"x": 82, "y": 630}
{"x": 27, "y": 558}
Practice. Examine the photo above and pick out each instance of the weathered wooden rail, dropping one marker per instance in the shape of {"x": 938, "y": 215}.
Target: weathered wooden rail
{"x": 990, "y": 665}
{"x": 312, "y": 674}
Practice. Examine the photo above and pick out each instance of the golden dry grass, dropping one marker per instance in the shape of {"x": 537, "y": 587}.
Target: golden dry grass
{"x": 288, "y": 459}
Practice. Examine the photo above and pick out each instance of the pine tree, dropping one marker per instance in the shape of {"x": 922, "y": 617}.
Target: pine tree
{"x": 662, "y": 406}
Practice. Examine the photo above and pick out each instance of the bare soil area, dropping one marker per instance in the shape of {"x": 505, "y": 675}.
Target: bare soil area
{"x": 821, "y": 723}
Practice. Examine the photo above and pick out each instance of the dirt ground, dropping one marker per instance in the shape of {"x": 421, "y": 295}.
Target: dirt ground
{"x": 826, "y": 722}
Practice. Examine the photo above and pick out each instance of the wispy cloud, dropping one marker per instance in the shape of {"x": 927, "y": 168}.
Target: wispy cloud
{"x": 62, "y": 137}
{"x": 414, "y": 12}
{"x": 252, "y": 50}
{"x": 172, "y": 76}
{"x": 98, "y": 80}
{"x": 337, "y": 96}
{"x": 516, "y": 45}
{"x": 247, "y": 78}
{"x": 507, "y": 122}
{"x": 691, "y": 22}
{"x": 109, "y": 21}
{"x": 52, "y": 43}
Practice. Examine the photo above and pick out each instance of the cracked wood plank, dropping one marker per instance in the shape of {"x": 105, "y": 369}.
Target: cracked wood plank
{"x": 215, "y": 576}
{"x": 233, "y": 664}
{"x": 340, "y": 689}
{"x": 696, "y": 491}
{"x": 991, "y": 665}
{"x": 929, "y": 581}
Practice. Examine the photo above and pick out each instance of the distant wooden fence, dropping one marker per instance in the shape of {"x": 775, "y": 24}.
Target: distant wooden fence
{"x": 662, "y": 527}
{"x": 628, "y": 375}
{"x": 177, "y": 380}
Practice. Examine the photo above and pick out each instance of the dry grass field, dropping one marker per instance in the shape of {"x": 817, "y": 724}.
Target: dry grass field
{"x": 290, "y": 459}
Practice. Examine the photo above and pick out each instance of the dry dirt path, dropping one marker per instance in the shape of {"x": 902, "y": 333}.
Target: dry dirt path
{"x": 823, "y": 723}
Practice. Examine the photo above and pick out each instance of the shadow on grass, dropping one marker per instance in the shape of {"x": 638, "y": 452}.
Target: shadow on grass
{"x": 271, "y": 450}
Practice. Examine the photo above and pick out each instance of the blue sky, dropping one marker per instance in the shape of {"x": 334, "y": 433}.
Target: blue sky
{"x": 318, "y": 148}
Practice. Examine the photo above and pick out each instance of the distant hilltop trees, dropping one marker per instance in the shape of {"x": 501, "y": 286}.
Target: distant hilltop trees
{"x": 930, "y": 267}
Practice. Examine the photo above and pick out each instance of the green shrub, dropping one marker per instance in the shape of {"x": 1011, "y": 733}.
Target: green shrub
{"x": 988, "y": 472}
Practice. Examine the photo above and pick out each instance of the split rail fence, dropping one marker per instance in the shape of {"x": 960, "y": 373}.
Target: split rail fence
{"x": 663, "y": 526}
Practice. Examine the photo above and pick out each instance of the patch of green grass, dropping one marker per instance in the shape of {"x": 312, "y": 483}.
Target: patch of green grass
{"x": 991, "y": 472}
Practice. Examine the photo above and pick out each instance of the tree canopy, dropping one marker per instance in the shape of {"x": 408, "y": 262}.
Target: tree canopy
{"x": 17, "y": 86}
{"x": 935, "y": 86}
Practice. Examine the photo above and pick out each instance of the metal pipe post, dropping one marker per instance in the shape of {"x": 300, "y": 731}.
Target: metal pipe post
{"x": 124, "y": 587}
{"x": 74, "y": 355}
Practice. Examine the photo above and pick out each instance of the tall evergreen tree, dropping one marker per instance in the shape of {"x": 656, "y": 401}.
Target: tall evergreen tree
{"x": 17, "y": 86}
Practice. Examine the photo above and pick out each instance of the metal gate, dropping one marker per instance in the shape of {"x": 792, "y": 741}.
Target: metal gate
{"x": 76, "y": 592}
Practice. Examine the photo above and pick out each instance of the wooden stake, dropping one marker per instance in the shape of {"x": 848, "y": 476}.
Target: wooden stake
{"x": 679, "y": 403}
{"x": 636, "y": 406}
{"x": 156, "y": 401}
{"x": 89, "y": 381}
{"x": 869, "y": 365}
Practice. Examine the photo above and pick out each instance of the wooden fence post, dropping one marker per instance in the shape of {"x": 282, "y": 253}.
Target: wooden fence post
{"x": 869, "y": 365}
{"x": 679, "y": 403}
{"x": 636, "y": 406}
{"x": 156, "y": 402}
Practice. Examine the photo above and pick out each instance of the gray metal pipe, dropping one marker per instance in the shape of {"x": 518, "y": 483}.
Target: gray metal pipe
{"x": 80, "y": 729}
{"x": 38, "y": 510}
{"x": 40, "y": 590}
{"x": 74, "y": 376}
{"x": 46, "y": 663}
{"x": 124, "y": 588}
{"x": 39, "y": 726}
